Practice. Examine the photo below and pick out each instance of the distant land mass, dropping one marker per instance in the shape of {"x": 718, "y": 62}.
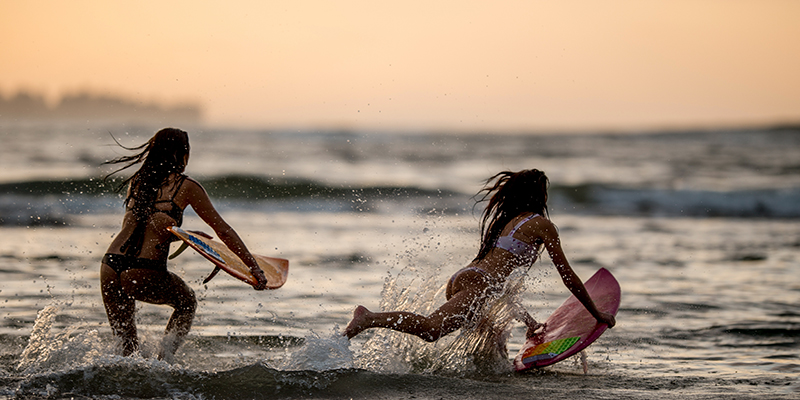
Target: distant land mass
{"x": 87, "y": 106}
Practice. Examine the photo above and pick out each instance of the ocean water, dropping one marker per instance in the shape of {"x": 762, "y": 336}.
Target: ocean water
{"x": 700, "y": 228}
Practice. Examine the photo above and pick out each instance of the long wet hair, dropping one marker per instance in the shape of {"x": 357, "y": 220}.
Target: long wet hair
{"x": 162, "y": 155}
{"x": 510, "y": 194}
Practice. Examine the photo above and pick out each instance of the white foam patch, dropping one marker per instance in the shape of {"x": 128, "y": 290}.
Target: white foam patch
{"x": 321, "y": 353}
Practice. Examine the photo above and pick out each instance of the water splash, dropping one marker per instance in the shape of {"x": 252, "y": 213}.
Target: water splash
{"x": 321, "y": 353}
{"x": 478, "y": 347}
{"x": 74, "y": 346}
{"x": 50, "y": 350}
{"x": 39, "y": 347}
{"x": 75, "y": 359}
{"x": 481, "y": 346}
{"x": 394, "y": 352}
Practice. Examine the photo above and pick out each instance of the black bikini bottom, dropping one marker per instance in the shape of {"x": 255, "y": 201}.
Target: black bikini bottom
{"x": 122, "y": 263}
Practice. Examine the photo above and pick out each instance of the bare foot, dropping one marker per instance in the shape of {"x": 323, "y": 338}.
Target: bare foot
{"x": 356, "y": 326}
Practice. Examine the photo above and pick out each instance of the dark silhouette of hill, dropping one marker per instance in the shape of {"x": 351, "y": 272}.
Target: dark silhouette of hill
{"x": 85, "y": 106}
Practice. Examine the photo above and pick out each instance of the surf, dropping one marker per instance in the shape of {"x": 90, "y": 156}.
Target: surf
{"x": 480, "y": 347}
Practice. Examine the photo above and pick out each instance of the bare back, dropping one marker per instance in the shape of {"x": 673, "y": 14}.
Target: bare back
{"x": 499, "y": 262}
{"x": 156, "y": 236}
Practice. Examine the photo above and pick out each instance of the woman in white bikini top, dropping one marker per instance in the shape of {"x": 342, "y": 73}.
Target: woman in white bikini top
{"x": 517, "y": 204}
{"x": 515, "y": 246}
{"x": 524, "y": 251}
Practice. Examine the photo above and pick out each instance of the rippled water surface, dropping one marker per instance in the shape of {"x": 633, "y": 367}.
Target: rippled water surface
{"x": 710, "y": 298}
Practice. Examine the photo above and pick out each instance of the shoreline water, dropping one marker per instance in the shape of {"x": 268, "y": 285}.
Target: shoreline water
{"x": 683, "y": 329}
{"x": 709, "y": 305}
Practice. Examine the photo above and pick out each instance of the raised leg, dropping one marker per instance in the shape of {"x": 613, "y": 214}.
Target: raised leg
{"x": 449, "y": 317}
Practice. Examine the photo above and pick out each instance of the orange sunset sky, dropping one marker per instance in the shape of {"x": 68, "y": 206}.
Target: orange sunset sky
{"x": 453, "y": 65}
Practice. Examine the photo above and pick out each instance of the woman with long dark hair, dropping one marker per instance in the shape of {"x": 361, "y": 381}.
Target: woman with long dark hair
{"x": 515, "y": 225}
{"x": 135, "y": 264}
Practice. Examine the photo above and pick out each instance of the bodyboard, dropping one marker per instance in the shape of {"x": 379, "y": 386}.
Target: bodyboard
{"x": 275, "y": 269}
{"x": 571, "y": 328}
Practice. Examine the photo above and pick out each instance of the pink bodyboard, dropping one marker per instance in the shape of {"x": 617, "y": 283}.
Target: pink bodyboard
{"x": 571, "y": 328}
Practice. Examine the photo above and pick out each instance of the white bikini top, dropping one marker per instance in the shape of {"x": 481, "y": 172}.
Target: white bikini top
{"x": 514, "y": 245}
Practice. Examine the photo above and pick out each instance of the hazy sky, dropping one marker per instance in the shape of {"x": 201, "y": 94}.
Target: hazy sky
{"x": 461, "y": 65}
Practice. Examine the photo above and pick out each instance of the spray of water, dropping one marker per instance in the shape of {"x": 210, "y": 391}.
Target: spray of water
{"x": 478, "y": 347}
{"x": 321, "y": 353}
{"x": 481, "y": 346}
{"x": 75, "y": 346}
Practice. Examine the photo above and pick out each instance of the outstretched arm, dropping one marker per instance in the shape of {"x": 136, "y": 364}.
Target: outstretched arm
{"x": 568, "y": 276}
{"x": 198, "y": 199}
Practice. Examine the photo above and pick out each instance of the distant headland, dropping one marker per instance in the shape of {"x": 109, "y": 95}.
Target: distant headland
{"x": 89, "y": 106}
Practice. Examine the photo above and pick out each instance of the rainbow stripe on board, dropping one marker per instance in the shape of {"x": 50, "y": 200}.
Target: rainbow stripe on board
{"x": 548, "y": 350}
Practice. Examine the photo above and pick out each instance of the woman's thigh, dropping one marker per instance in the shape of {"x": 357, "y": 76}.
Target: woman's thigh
{"x": 114, "y": 296}
{"x": 156, "y": 287}
{"x": 459, "y": 309}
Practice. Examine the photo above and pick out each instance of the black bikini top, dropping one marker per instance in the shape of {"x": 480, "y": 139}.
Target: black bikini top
{"x": 176, "y": 212}
{"x": 133, "y": 246}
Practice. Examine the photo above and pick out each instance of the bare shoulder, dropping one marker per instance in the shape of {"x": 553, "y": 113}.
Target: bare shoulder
{"x": 541, "y": 227}
{"x": 189, "y": 179}
{"x": 192, "y": 192}
{"x": 192, "y": 184}
{"x": 539, "y": 222}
